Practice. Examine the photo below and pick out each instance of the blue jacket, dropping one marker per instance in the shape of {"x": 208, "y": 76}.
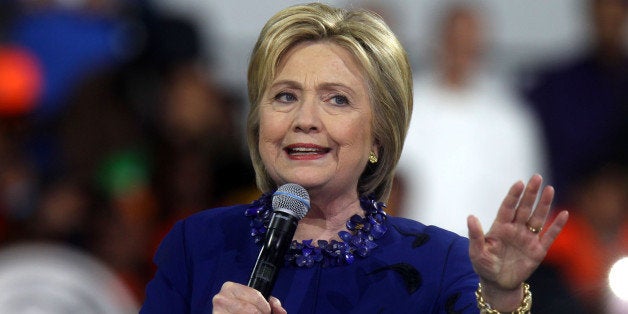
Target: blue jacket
{"x": 414, "y": 269}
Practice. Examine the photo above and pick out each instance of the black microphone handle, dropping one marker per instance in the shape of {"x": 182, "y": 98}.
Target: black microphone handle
{"x": 271, "y": 257}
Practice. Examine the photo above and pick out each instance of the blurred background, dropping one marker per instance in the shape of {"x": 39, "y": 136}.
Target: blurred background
{"x": 118, "y": 118}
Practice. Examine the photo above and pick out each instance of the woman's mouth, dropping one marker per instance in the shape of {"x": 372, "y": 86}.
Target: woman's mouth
{"x": 306, "y": 151}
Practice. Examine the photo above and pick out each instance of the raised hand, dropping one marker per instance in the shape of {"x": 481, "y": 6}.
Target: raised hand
{"x": 515, "y": 245}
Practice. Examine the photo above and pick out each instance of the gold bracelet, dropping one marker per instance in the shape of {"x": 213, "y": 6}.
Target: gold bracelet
{"x": 524, "y": 308}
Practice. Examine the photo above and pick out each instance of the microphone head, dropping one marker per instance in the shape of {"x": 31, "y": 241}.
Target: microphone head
{"x": 292, "y": 199}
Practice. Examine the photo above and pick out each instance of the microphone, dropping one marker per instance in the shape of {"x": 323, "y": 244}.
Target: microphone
{"x": 291, "y": 202}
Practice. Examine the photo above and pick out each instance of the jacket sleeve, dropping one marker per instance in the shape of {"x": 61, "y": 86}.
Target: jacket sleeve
{"x": 459, "y": 280}
{"x": 168, "y": 291}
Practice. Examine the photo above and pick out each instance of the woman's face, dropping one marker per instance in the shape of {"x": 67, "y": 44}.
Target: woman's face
{"x": 315, "y": 120}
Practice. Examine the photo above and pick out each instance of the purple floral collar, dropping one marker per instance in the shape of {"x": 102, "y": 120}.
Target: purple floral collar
{"x": 360, "y": 241}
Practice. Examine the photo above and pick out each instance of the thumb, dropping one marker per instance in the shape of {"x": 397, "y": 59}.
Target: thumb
{"x": 476, "y": 235}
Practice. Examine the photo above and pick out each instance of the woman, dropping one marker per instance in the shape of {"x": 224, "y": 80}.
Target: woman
{"x": 331, "y": 97}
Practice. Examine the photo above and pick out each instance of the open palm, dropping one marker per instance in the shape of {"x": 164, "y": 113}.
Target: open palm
{"x": 515, "y": 246}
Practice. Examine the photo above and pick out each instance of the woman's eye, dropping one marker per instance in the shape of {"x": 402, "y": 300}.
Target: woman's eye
{"x": 339, "y": 100}
{"x": 285, "y": 97}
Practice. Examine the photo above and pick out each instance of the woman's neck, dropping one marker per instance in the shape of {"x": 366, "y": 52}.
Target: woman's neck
{"x": 327, "y": 217}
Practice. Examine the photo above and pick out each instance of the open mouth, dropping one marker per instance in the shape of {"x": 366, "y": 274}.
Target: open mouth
{"x": 306, "y": 150}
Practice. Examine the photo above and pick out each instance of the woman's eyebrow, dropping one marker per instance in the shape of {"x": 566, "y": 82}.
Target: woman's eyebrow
{"x": 289, "y": 83}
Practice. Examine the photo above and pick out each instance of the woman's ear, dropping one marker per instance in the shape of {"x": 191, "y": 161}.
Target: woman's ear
{"x": 375, "y": 148}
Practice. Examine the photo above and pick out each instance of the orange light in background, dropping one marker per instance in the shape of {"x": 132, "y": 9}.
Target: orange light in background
{"x": 21, "y": 81}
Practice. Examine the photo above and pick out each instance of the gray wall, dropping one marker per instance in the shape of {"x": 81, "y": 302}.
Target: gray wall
{"x": 522, "y": 31}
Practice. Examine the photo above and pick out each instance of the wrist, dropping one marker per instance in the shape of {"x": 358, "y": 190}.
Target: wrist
{"x": 494, "y": 301}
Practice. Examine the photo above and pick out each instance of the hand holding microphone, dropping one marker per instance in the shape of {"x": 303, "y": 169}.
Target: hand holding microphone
{"x": 291, "y": 202}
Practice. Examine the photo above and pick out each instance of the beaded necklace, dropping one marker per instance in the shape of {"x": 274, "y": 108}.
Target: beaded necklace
{"x": 359, "y": 241}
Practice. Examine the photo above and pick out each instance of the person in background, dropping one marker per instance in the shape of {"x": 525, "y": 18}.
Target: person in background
{"x": 331, "y": 98}
{"x": 467, "y": 129}
{"x": 583, "y": 105}
{"x": 156, "y": 139}
{"x": 583, "y": 102}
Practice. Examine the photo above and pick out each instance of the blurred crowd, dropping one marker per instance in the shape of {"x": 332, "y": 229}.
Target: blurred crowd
{"x": 474, "y": 131}
{"x": 582, "y": 104}
{"x": 113, "y": 126}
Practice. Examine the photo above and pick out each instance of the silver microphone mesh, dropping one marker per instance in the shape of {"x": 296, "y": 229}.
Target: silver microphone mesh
{"x": 292, "y": 199}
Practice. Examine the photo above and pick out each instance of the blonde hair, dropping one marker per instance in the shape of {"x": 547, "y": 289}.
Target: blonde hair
{"x": 385, "y": 66}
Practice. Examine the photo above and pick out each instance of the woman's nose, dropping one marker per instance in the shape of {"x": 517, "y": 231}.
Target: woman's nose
{"x": 306, "y": 117}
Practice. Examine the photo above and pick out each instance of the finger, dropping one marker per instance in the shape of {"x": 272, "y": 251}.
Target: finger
{"x": 506, "y": 212}
{"x": 554, "y": 229}
{"x": 242, "y": 299}
{"x": 527, "y": 200}
{"x": 476, "y": 236}
{"x": 276, "y": 306}
{"x": 538, "y": 217}
{"x": 222, "y": 304}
